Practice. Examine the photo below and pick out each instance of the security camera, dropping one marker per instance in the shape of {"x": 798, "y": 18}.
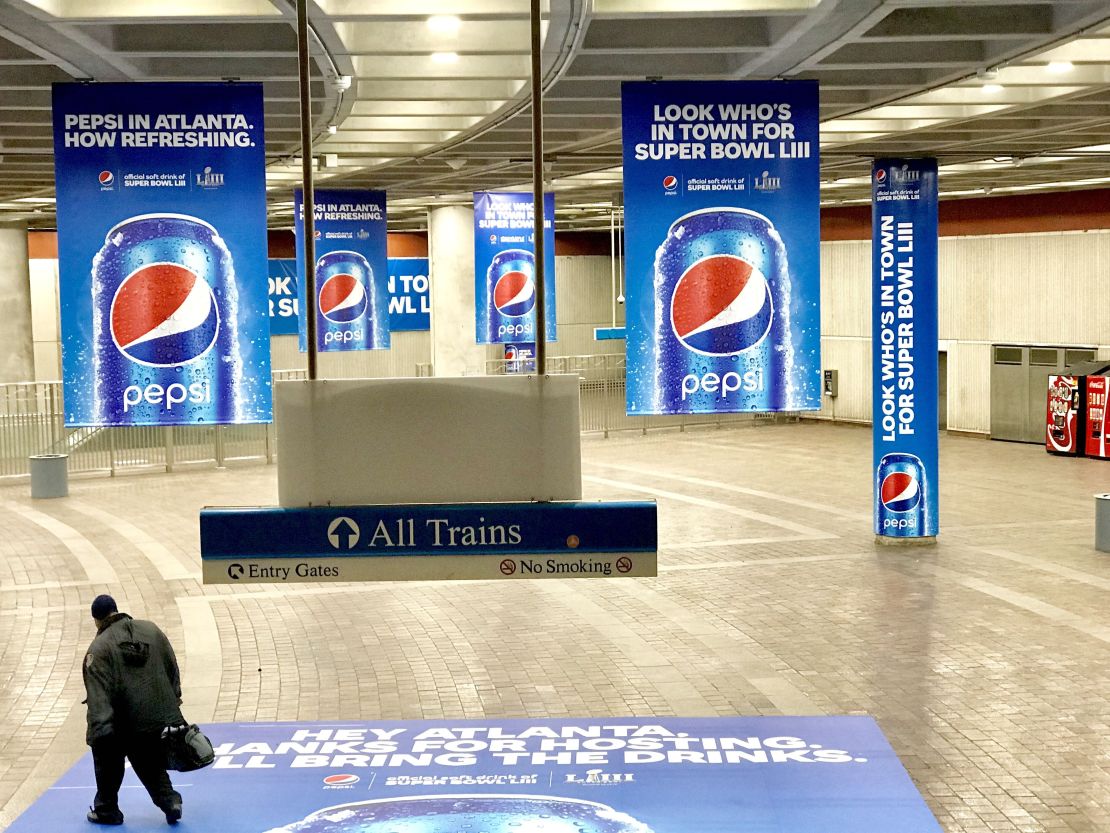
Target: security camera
{"x": 341, "y": 83}
{"x": 620, "y": 298}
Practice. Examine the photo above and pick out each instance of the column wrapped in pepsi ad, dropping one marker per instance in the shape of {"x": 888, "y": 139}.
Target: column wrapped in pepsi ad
{"x": 505, "y": 267}
{"x": 352, "y": 299}
{"x": 904, "y": 346}
{"x": 721, "y": 193}
{"x": 161, "y": 195}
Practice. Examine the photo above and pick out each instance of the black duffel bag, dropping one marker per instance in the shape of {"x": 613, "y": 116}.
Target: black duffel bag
{"x": 187, "y": 748}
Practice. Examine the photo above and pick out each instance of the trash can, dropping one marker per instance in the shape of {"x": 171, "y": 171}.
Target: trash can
{"x": 50, "y": 477}
{"x": 1102, "y": 522}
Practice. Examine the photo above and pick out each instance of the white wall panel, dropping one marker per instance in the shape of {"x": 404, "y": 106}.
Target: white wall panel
{"x": 851, "y": 358}
{"x": 846, "y": 288}
{"x": 969, "y": 387}
{"x": 964, "y": 267}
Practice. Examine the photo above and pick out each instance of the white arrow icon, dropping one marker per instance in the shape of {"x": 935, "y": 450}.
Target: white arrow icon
{"x": 343, "y": 532}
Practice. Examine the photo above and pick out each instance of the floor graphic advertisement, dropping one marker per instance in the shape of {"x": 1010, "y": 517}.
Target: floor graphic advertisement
{"x": 621, "y": 775}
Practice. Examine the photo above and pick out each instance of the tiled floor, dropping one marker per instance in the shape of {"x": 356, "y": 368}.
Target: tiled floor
{"x": 986, "y": 659}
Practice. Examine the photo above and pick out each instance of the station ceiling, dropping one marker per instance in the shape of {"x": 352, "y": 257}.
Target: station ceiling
{"x": 428, "y": 99}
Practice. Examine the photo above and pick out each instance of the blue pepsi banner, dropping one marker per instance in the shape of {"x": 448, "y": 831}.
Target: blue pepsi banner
{"x": 410, "y": 302}
{"x": 601, "y": 775}
{"x": 504, "y": 267}
{"x": 161, "y": 195}
{"x": 352, "y": 302}
{"x": 568, "y": 539}
{"x": 904, "y": 346}
{"x": 721, "y": 193}
{"x": 284, "y": 303}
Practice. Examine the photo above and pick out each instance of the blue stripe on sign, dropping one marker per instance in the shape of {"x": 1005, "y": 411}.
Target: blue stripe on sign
{"x": 429, "y": 529}
{"x": 608, "y": 333}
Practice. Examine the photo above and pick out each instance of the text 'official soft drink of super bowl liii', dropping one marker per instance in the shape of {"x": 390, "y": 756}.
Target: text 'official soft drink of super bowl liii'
{"x": 469, "y": 814}
{"x": 722, "y": 239}
{"x": 162, "y": 253}
{"x": 352, "y": 272}
{"x": 166, "y": 308}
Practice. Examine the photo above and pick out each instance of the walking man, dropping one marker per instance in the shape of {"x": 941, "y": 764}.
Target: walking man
{"x": 133, "y": 690}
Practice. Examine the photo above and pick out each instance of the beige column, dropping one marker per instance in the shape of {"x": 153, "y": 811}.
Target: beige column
{"x": 451, "y": 267}
{"x": 17, "y": 355}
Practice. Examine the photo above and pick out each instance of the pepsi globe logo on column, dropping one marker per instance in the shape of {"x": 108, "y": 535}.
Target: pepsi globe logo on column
{"x": 904, "y": 347}
{"x": 722, "y": 233}
{"x": 352, "y": 299}
{"x": 505, "y": 268}
{"x": 162, "y": 253}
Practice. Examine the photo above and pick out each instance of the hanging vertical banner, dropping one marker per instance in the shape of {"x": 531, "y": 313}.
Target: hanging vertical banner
{"x": 410, "y": 303}
{"x": 904, "y": 346}
{"x": 721, "y": 195}
{"x": 352, "y": 302}
{"x": 161, "y": 206}
{"x": 504, "y": 267}
{"x": 282, "y": 284}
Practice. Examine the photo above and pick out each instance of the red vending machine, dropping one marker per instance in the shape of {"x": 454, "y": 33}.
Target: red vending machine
{"x": 1097, "y": 389}
{"x": 1065, "y": 415}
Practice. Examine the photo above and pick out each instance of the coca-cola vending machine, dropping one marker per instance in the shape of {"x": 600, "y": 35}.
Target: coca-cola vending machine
{"x": 1065, "y": 415}
{"x": 1097, "y": 389}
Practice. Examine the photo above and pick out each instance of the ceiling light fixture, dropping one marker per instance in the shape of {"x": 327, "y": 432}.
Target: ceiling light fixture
{"x": 444, "y": 24}
{"x": 331, "y": 129}
{"x": 1060, "y": 67}
{"x": 445, "y": 57}
{"x": 991, "y": 89}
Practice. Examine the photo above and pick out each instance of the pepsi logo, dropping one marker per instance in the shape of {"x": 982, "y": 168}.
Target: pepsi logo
{"x": 880, "y": 175}
{"x": 721, "y": 306}
{"x": 670, "y": 183}
{"x": 107, "y": 177}
{"x": 514, "y": 293}
{"x": 341, "y": 780}
{"x": 342, "y": 298}
{"x": 900, "y": 492}
{"x": 510, "y": 353}
{"x": 164, "y": 315}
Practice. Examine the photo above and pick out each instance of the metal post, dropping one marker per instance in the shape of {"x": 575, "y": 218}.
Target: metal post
{"x": 537, "y": 192}
{"x": 309, "y": 201}
{"x": 170, "y": 453}
{"x": 613, "y": 263}
{"x": 219, "y": 447}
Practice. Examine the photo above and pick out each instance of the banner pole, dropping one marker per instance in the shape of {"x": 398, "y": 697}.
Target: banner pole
{"x": 537, "y": 194}
{"x": 308, "y": 201}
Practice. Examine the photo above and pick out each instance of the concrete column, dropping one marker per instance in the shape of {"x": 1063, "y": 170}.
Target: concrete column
{"x": 451, "y": 264}
{"x": 17, "y": 354}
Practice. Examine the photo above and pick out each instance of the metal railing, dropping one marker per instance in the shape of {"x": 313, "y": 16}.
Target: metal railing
{"x": 32, "y": 422}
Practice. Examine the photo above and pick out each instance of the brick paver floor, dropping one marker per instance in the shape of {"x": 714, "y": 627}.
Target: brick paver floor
{"x": 985, "y": 659}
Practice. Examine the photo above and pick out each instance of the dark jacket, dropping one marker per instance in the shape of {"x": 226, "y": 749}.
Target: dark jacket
{"x": 131, "y": 680}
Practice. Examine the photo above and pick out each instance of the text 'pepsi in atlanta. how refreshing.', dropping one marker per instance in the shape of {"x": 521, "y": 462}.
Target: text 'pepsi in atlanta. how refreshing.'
{"x": 902, "y": 490}
{"x": 165, "y": 309}
{"x": 349, "y": 314}
{"x": 469, "y": 814}
{"x": 511, "y": 286}
{"x": 722, "y": 314}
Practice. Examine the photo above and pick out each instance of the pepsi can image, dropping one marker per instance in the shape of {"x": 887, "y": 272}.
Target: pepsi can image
{"x": 901, "y": 491}
{"x": 511, "y": 289}
{"x": 165, "y": 324}
{"x": 349, "y": 314}
{"x": 468, "y": 814}
{"x": 722, "y": 337}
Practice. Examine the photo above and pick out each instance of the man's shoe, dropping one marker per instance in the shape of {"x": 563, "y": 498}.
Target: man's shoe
{"x": 105, "y": 817}
{"x": 173, "y": 814}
